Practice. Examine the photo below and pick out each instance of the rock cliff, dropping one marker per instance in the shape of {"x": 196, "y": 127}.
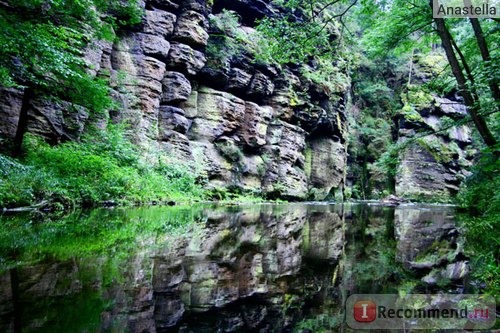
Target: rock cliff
{"x": 193, "y": 93}
{"x": 433, "y": 165}
{"x": 405, "y": 138}
{"x": 240, "y": 124}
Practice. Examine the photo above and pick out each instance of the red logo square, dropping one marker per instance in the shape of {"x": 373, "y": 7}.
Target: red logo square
{"x": 365, "y": 311}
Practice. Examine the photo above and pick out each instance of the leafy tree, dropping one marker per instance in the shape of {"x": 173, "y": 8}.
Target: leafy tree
{"x": 470, "y": 97}
{"x": 407, "y": 25}
{"x": 42, "y": 44}
{"x": 307, "y": 29}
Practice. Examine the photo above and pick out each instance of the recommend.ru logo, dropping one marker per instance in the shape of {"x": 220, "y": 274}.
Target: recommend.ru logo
{"x": 444, "y": 311}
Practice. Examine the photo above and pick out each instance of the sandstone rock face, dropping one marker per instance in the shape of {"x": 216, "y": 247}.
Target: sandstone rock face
{"x": 172, "y": 119}
{"x": 10, "y": 102}
{"x": 159, "y": 23}
{"x": 242, "y": 124}
{"x": 145, "y": 44}
{"x": 285, "y": 174}
{"x": 219, "y": 113}
{"x": 250, "y": 10}
{"x": 420, "y": 174}
{"x": 255, "y": 124}
{"x": 325, "y": 165}
{"x": 433, "y": 166}
{"x": 260, "y": 86}
{"x": 190, "y": 29}
{"x": 246, "y": 125}
{"x": 56, "y": 121}
{"x": 176, "y": 88}
{"x": 238, "y": 80}
{"x": 183, "y": 58}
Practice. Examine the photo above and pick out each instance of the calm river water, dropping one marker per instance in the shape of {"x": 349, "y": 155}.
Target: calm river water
{"x": 209, "y": 268}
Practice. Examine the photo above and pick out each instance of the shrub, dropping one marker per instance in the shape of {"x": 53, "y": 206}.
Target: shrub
{"x": 22, "y": 185}
{"x": 479, "y": 195}
{"x": 227, "y": 40}
{"x": 103, "y": 166}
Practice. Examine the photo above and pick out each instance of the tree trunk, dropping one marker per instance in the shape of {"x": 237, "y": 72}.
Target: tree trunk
{"x": 22, "y": 122}
{"x": 472, "y": 105}
{"x": 485, "y": 54}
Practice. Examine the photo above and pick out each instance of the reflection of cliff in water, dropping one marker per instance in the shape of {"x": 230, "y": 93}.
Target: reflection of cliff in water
{"x": 259, "y": 268}
{"x": 251, "y": 269}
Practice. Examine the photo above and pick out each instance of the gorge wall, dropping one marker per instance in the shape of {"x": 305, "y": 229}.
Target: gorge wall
{"x": 240, "y": 123}
{"x": 405, "y": 138}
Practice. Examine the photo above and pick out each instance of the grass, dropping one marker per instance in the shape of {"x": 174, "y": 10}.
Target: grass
{"x": 102, "y": 167}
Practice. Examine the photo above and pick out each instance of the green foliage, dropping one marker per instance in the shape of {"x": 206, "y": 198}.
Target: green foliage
{"x": 483, "y": 244}
{"x": 121, "y": 13}
{"x": 441, "y": 151}
{"x": 228, "y": 39}
{"x": 22, "y": 185}
{"x": 479, "y": 193}
{"x": 322, "y": 323}
{"x": 42, "y": 44}
{"x": 227, "y": 22}
{"x": 376, "y": 133}
{"x": 292, "y": 42}
{"x": 325, "y": 74}
{"x": 104, "y": 166}
{"x": 483, "y": 71}
{"x": 235, "y": 195}
{"x": 371, "y": 140}
{"x": 432, "y": 65}
{"x": 403, "y": 26}
{"x": 480, "y": 196}
{"x": 230, "y": 151}
{"x": 389, "y": 160}
{"x": 307, "y": 34}
{"x": 376, "y": 95}
{"x": 400, "y": 27}
{"x": 376, "y": 91}
{"x": 48, "y": 57}
{"x": 25, "y": 238}
{"x": 282, "y": 40}
{"x": 415, "y": 98}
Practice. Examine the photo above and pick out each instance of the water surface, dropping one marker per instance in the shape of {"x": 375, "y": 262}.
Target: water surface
{"x": 209, "y": 268}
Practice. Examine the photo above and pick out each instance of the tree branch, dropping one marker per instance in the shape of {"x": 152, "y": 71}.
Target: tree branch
{"x": 334, "y": 17}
